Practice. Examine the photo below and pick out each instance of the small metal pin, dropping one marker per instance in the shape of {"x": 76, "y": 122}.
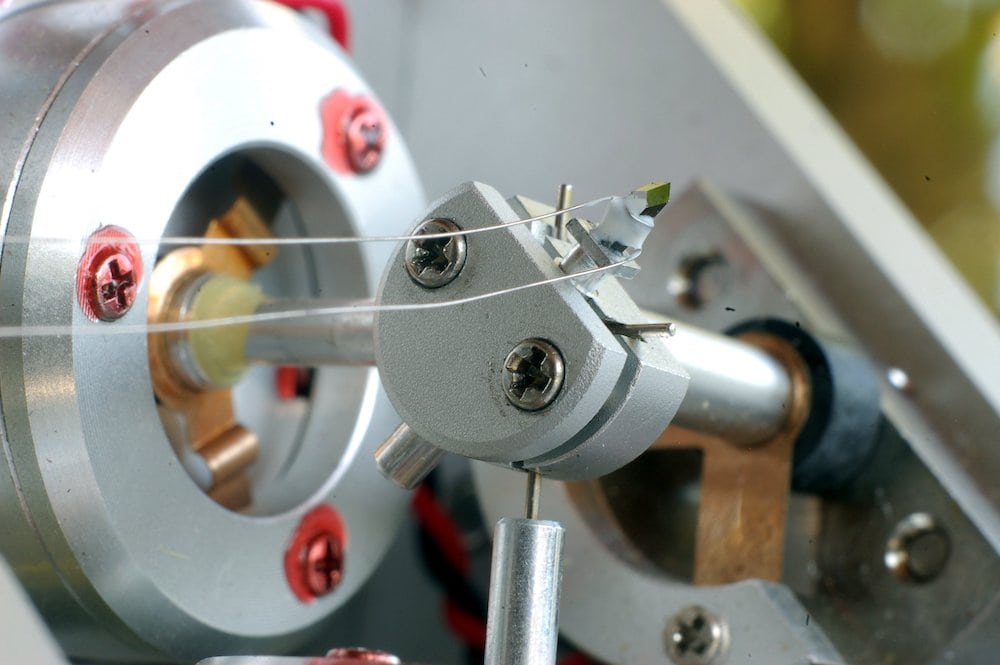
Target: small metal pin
{"x": 564, "y": 201}
{"x": 534, "y": 494}
{"x": 638, "y": 330}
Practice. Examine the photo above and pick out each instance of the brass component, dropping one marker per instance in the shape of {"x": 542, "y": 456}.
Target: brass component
{"x": 744, "y": 491}
{"x": 230, "y": 452}
{"x": 240, "y": 221}
{"x": 210, "y": 425}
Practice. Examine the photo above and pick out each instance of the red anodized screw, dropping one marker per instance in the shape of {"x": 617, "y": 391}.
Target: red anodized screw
{"x": 357, "y": 656}
{"x": 354, "y": 132}
{"x": 314, "y": 559}
{"x": 109, "y": 274}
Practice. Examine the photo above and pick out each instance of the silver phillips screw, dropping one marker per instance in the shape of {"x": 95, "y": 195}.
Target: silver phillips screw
{"x": 696, "y": 636}
{"x": 533, "y": 374}
{"x": 435, "y": 262}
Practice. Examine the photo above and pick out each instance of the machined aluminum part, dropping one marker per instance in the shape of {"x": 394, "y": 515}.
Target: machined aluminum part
{"x": 523, "y": 622}
{"x": 442, "y": 367}
{"x": 112, "y": 110}
{"x": 642, "y": 519}
{"x": 607, "y": 593}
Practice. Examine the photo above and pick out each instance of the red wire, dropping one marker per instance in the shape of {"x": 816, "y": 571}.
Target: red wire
{"x": 470, "y": 629}
{"x": 441, "y": 527}
{"x": 575, "y": 658}
{"x": 443, "y": 530}
{"x": 336, "y": 17}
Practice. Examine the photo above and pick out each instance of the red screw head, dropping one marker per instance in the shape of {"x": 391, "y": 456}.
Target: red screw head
{"x": 354, "y": 132}
{"x": 314, "y": 559}
{"x": 109, "y": 274}
{"x": 323, "y": 563}
{"x": 365, "y": 140}
{"x": 356, "y": 655}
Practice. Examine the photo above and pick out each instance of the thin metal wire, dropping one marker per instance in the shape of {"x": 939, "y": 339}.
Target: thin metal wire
{"x": 321, "y": 240}
{"x": 533, "y": 497}
{"x": 8, "y": 332}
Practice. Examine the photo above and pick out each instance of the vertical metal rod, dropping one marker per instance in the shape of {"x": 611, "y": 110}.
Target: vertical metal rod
{"x": 534, "y": 494}
{"x": 522, "y": 627}
{"x": 565, "y": 200}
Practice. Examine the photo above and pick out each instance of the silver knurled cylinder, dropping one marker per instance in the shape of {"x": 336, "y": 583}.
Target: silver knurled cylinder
{"x": 405, "y": 458}
{"x": 522, "y": 627}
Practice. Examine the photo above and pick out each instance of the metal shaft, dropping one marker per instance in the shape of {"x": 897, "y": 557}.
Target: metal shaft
{"x": 565, "y": 200}
{"x": 338, "y": 339}
{"x": 522, "y": 627}
{"x": 405, "y": 458}
{"x": 737, "y": 391}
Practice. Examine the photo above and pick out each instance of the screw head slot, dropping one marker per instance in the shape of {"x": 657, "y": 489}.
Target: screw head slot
{"x": 435, "y": 262}
{"x": 109, "y": 274}
{"x": 533, "y": 374}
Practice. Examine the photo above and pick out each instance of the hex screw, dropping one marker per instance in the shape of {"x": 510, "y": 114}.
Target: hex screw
{"x": 365, "y": 137}
{"x": 696, "y": 636}
{"x": 533, "y": 374}
{"x": 435, "y": 262}
{"x": 109, "y": 274}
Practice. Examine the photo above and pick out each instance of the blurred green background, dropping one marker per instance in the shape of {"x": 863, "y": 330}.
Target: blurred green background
{"x": 916, "y": 84}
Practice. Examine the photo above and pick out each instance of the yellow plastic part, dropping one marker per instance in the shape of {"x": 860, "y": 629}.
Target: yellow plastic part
{"x": 220, "y": 351}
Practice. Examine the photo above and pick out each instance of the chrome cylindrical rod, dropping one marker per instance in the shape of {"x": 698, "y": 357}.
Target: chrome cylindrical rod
{"x": 737, "y": 391}
{"x": 522, "y": 626}
{"x": 405, "y": 458}
{"x": 345, "y": 338}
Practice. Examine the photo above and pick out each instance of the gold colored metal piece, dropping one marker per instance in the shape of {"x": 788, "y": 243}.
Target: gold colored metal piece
{"x": 744, "y": 491}
{"x": 210, "y": 425}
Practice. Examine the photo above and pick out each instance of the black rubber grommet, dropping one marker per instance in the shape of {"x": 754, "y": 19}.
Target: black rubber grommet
{"x": 842, "y": 428}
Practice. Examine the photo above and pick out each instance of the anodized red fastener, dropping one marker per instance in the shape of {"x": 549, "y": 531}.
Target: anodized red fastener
{"x": 355, "y": 131}
{"x": 314, "y": 558}
{"x": 109, "y": 274}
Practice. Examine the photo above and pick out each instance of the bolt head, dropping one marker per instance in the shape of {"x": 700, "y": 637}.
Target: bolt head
{"x": 314, "y": 558}
{"x": 365, "y": 139}
{"x": 918, "y": 549}
{"x": 701, "y": 279}
{"x": 355, "y": 132}
{"x": 354, "y": 655}
{"x": 533, "y": 374}
{"x": 435, "y": 262}
{"x": 696, "y": 636}
{"x": 109, "y": 274}
{"x": 323, "y": 563}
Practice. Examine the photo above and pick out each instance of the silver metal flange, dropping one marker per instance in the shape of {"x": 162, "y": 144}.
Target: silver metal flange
{"x": 120, "y": 111}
